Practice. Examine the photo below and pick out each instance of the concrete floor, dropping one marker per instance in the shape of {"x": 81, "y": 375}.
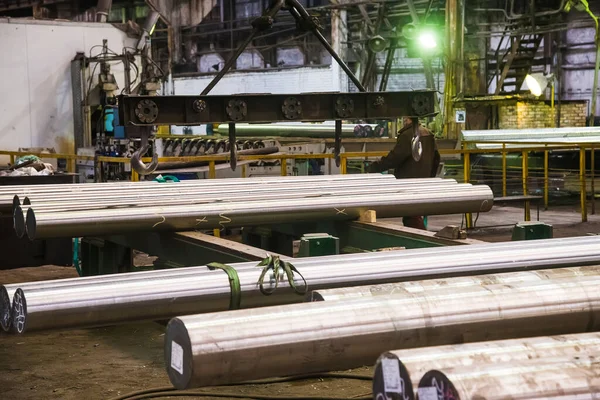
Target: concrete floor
{"x": 106, "y": 362}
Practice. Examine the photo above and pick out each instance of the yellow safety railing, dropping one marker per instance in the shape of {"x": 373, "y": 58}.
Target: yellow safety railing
{"x": 504, "y": 148}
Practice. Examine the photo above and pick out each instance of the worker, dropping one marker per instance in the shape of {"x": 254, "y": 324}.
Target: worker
{"x": 401, "y": 160}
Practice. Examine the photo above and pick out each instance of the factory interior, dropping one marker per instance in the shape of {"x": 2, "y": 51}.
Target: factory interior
{"x": 299, "y": 199}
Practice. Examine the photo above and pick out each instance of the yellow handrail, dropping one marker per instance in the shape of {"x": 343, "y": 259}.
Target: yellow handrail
{"x": 519, "y": 147}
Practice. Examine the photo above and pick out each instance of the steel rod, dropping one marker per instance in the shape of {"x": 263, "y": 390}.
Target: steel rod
{"x": 481, "y": 251}
{"x": 222, "y": 197}
{"x": 247, "y": 213}
{"x": 476, "y": 281}
{"x": 165, "y": 296}
{"x": 556, "y": 378}
{"x": 37, "y": 200}
{"x": 102, "y": 186}
{"x": 229, "y": 194}
{"x": 412, "y": 364}
{"x": 240, "y": 345}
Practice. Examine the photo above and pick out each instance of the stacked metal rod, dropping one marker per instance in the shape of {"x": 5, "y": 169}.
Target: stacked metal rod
{"x": 82, "y": 211}
{"x": 174, "y": 195}
{"x": 243, "y": 345}
{"x": 8, "y": 193}
{"x": 164, "y": 294}
{"x": 574, "y": 377}
{"x": 400, "y": 371}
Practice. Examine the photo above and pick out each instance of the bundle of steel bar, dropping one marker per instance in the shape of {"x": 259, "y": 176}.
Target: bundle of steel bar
{"x": 133, "y": 192}
{"x": 163, "y": 294}
{"x": 399, "y": 371}
{"x": 242, "y": 345}
{"x": 567, "y": 377}
{"x": 251, "y": 211}
{"x": 336, "y": 294}
{"x": 11, "y": 194}
{"x": 227, "y": 195}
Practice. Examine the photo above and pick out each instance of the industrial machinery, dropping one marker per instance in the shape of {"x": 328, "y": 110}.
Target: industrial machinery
{"x": 140, "y": 113}
{"x": 98, "y": 130}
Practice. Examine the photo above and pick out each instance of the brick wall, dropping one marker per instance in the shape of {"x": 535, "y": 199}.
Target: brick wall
{"x": 523, "y": 115}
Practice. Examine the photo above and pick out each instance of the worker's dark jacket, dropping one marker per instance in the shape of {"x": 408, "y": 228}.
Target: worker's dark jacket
{"x": 401, "y": 160}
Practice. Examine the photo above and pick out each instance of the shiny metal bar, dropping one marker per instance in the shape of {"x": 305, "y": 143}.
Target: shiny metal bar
{"x": 412, "y": 364}
{"x": 102, "y": 186}
{"x": 7, "y": 193}
{"x": 221, "y": 196}
{"x": 240, "y": 345}
{"x": 237, "y": 214}
{"x": 172, "y": 190}
{"x": 195, "y": 182}
{"x": 163, "y": 296}
{"x": 576, "y": 377}
{"x": 417, "y": 287}
{"x": 481, "y": 251}
{"x": 228, "y": 193}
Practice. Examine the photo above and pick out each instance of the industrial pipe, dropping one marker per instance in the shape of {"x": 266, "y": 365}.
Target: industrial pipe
{"x": 406, "y": 367}
{"x": 102, "y": 10}
{"x": 241, "y": 345}
{"x": 561, "y": 378}
{"x": 162, "y": 297}
{"x": 234, "y": 214}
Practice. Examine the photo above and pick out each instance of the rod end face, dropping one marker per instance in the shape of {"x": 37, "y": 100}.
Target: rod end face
{"x": 391, "y": 379}
{"x": 436, "y": 382}
{"x": 178, "y": 354}
{"x": 19, "y": 312}
{"x": 31, "y": 224}
{"x": 19, "y": 221}
{"x": 5, "y": 314}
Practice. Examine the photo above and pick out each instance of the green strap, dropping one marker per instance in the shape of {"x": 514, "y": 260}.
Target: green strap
{"x": 274, "y": 263}
{"x": 234, "y": 283}
{"x": 166, "y": 178}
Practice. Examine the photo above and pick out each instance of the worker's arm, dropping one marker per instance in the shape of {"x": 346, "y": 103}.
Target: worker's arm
{"x": 396, "y": 157}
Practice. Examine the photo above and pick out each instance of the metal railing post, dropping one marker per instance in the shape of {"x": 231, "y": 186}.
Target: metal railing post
{"x": 546, "y": 179}
{"x": 593, "y": 173}
{"x": 503, "y": 169}
{"x": 583, "y": 196}
{"x": 467, "y": 178}
{"x": 525, "y": 168}
{"x": 284, "y": 167}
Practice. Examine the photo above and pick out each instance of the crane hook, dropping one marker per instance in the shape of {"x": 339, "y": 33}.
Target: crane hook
{"x": 138, "y": 165}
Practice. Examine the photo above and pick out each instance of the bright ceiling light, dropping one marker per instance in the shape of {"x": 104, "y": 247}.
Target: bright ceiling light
{"x": 427, "y": 40}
